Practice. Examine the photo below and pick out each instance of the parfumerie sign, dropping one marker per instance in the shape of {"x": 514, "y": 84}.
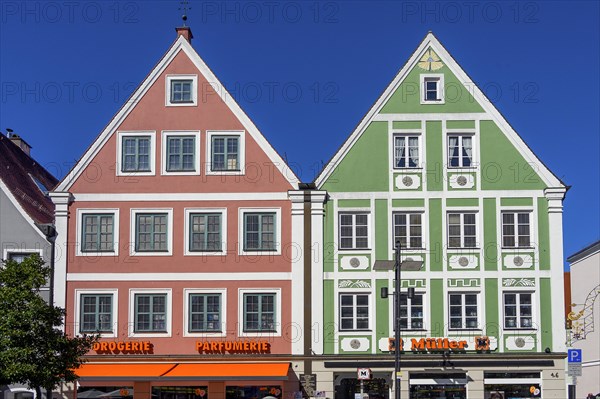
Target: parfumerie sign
{"x": 233, "y": 346}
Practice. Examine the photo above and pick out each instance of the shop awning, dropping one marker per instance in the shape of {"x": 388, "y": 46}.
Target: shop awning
{"x": 182, "y": 371}
{"x": 120, "y": 371}
{"x": 229, "y": 371}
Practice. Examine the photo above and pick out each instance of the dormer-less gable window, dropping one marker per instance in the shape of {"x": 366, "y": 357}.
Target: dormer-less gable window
{"x": 432, "y": 88}
{"x": 182, "y": 90}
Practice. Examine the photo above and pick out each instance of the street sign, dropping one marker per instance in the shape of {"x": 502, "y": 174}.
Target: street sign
{"x": 574, "y": 355}
{"x": 574, "y": 370}
{"x": 363, "y": 374}
{"x": 309, "y": 383}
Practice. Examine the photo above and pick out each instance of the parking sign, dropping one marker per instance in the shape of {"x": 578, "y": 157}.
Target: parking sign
{"x": 574, "y": 355}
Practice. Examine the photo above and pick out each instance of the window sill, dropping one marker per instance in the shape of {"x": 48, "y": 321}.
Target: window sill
{"x": 463, "y": 248}
{"x": 354, "y": 249}
{"x": 408, "y": 168}
{"x": 357, "y": 331}
{"x": 97, "y": 254}
{"x": 151, "y": 253}
{"x": 528, "y": 329}
{"x": 458, "y": 330}
{"x": 232, "y": 172}
{"x": 518, "y": 248}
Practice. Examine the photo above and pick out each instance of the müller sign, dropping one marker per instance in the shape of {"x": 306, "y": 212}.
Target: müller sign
{"x": 481, "y": 343}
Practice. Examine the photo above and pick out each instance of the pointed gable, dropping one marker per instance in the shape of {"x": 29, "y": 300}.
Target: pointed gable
{"x": 432, "y": 94}
{"x": 211, "y": 126}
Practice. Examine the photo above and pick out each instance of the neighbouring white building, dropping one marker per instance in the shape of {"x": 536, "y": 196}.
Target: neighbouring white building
{"x": 585, "y": 316}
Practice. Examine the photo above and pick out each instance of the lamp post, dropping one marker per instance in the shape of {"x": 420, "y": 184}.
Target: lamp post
{"x": 398, "y": 265}
{"x": 397, "y": 327}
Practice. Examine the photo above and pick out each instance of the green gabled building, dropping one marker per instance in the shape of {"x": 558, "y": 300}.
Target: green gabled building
{"x": 435, "y": 166}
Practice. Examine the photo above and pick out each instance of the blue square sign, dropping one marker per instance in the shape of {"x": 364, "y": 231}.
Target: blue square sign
{"x": 574, "y": 355}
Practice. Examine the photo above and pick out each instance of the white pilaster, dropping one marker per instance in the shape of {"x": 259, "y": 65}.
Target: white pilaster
{"x": 296, "y": 254}
{"x": 555, "y": 198}
{"x": 317, "y": 214}
{"x": 61, "y": 202}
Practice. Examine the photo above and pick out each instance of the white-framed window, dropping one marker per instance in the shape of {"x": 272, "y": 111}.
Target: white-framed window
{"x": 518, "y": 310}
{"x": 407, "y": 151}
{"x": 516, "y": 229}
{"x": 180, "y": 153}
{"x": 181, "y": 90}
{"x": 97, "y": 312}
{"x": 460, "y": 151}
{"x": 260, "y": 231}
{"x": 412, "y": 315}
{"x": 354, "y": 311}
{"x": 225, "y": 152}
{"x": 354, "y": 230}
{"x": 408, "y": 229}
{"x": 19, "y": 255}
{"x": 462, "y": 230}
{"x": 98, "y": 232}
{"x": 151, "y": 232}
{"x": 463, "y": 310}
{"x": 432, "y": 88}
{"x": 136, "y": 153}
{"x": 205, "y": 312}
{"x": 260, "y": 312}
{"x": 150, "y": 312}
{"x": 205, "y": 231}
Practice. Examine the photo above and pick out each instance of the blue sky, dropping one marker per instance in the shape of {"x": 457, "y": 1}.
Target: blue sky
{"x": 307, "y": 71}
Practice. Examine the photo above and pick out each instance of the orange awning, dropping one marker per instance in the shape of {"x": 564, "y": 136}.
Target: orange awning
{"x": 117, "y": 371}
{"x": 230, "y": 371}
{"x": 182, "y": 371}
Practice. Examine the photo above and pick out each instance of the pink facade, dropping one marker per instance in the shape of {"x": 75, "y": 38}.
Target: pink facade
{"x": 233, "y": 185}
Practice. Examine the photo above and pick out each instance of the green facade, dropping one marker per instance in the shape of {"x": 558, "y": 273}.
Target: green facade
{"x": 497, "y": 181}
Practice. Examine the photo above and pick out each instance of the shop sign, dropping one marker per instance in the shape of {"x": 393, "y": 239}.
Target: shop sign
{"x": 481, "y": 343}
{"x": 123, "y": 347}
{"x": 233, "y": 346}
{"x": 309, "y": 384}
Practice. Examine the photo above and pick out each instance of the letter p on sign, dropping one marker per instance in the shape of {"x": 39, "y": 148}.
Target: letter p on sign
{"x": 574, "y": 355}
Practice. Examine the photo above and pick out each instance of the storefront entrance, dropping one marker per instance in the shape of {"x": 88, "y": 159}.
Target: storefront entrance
{"x": 376, "y": 388}
{"x": 438, "y": 385}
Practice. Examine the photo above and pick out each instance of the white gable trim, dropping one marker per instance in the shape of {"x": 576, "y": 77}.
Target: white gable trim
{"x": 430, "y": 41}
{"x": 20, "y": 209}
{"x": 180, "y": 45}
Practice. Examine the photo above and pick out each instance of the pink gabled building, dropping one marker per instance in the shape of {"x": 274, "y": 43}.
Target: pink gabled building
{"x": 183, "y": 231}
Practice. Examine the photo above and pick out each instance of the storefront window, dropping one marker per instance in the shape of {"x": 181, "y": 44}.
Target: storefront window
{"x": 376, "y": 388}
{"x": 253, "y": 392}
{"x": 438, "y": 392}
{"x": 198, "y": 392}
{"x": 512, "y": 391}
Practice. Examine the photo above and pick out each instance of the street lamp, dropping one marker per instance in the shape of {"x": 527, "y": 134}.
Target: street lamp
{"x": 398, "y": 265}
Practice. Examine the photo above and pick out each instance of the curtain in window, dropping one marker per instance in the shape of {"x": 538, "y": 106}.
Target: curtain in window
{"x": 413, "y": 147}
{"x": 453, "y": 151}
{"x": 400, "y": 152}
{"x": 467, "y": 151}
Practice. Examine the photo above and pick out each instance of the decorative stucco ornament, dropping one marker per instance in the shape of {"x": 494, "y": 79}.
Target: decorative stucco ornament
{"x": 430, "y": 61}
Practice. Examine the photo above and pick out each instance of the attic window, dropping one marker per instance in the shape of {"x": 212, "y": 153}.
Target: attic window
{"x": 39, "y": 185}
{"x": 432, "y": 89}
{"x": 181, "y": 90}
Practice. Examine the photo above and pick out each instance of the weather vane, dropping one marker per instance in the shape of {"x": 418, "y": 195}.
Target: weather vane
{"x": 185, "y": 7}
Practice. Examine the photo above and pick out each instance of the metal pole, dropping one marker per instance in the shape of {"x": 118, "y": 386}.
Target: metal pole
{"x": 397, "y": 323}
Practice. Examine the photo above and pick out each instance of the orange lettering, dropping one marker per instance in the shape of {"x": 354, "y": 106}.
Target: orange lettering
{"x": 453, "y": 344}
{"x": 246, "y": 346}
{"x": 128, "y": 346}
{"x": 462, "y": 344}
{"x": 120, "y": 345}
{"x": 228, "y": 346}
{"x": 213, "y": 346}
{"x": 238, "y": 346}
{"x": 253, "y": 346}
{"x": 103, "y": 346}
{"x": 418, "y": 345}
{"x": 96, "y": 346}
